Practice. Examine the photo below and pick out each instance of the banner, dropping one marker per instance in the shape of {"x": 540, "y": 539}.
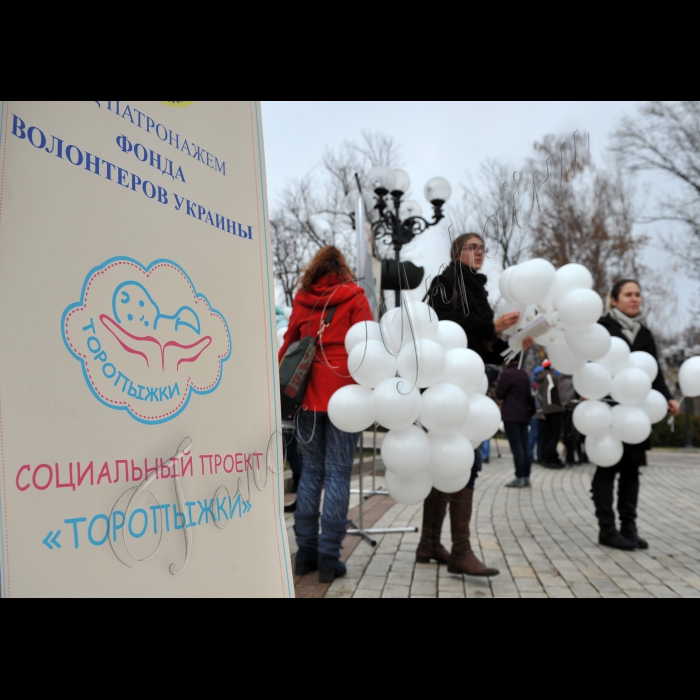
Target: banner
{"x": 139, "y": 410}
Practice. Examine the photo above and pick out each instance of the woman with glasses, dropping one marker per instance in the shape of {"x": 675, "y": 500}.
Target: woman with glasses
{"x": 626, "y": 320}
{"x": 459, "y": 294}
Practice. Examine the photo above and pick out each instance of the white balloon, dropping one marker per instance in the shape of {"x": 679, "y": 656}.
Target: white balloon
{"x": 527, "y": 316}
{"x": 396, "y": 403}
{"x": 430, "y": 359}
{"x": 630, "y": 386}
{"x": 450, "y": 485}
{"x": 605, "y": 450}
{"x": 645, "y": 361}
{"x": 504, "y": 307}
{"x": 630, "y": 424}
{"x": 580, "y": 308}
{"x": 552, "y": 336}
{"x": 484, "y": 419}
{"x": 592, "y": 417}
{"x": 530, "y": 281}
{"x": 483, "y": 386}
{"x": 593, "y": 381}
{"x": 409, "y": 492}
{"x": 416, "y": 321}
{"x": 546, "y": 306}
{"x": 689, "y": 377}
{"x": 503, "y": 285}
{"x": 370, "y": 363}
{"x": 407, "y": 451}
{"x": 451, "y": 336}
{"x": 392, "y": 344}
{"x": 451, "y": 455}
{"x": 465, "y": 368}
{"x": 570, "y": 277}
{"x": 655, "y": 406}
{"x": 350, "y": 408}
{"x": 616, "y": 358}
{"x": 361, "y": 332}
{"x": 590, "y": 343}
{"x": 444, "y": 408}
{"x": 563, "y": 358}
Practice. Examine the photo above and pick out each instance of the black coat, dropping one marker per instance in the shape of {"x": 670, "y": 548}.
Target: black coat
{"x": 635, "y": 454}
{"x": 444, "y": 296}
{"x": 514, "y": 389}
{"x": 643, "y": 342}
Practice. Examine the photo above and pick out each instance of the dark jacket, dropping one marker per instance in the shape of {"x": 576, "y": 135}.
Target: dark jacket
{"x": 514, "y": 389}
{"x": 644, "y": 342}
{"x": 548, "y": 391}
{"x": 476, "y": 319}
{"x": 567, "y": 393}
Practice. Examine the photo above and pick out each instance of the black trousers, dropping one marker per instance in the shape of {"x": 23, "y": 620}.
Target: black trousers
{"x": 572, "y": 439}
{"x": 552, "y": 433}
{"x": 603, "y": 486}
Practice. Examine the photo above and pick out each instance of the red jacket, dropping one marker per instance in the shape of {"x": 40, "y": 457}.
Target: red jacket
{"x": 330, "y": 369}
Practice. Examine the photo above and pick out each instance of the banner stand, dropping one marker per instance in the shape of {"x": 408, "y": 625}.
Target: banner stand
{"x": 361, "y": 530}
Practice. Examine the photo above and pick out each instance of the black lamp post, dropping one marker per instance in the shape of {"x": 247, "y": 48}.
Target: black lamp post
{"x": 399, "y": 221}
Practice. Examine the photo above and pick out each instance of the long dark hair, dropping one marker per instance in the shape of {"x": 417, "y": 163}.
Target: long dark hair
{"x": 327, "y": 261}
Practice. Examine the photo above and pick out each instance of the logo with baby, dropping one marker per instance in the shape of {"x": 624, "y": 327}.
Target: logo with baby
{"x": 146, "y": 338}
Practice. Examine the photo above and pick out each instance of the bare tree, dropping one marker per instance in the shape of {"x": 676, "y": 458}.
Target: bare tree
{"x": 587, "y": 220}
{"x": 665, "y": 138}
{"x": 489, "y": 207}
{"x": 289, "y": 253}
{"x": 312, "y": 211}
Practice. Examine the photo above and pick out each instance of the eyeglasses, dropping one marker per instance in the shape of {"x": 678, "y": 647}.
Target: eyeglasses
{"x": 473, "y": 248}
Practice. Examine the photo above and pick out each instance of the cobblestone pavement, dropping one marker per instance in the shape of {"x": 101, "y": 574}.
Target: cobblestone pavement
{"x": 543, "y": 540}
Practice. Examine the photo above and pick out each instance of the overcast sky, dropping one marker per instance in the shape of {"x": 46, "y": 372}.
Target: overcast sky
{"x": 450, "y": 139}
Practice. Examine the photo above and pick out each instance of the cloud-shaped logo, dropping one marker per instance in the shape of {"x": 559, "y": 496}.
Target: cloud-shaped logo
{"x": 146, "y": 339}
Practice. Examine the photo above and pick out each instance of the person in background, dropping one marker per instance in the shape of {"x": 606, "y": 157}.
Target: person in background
{"x": 514, "y": 391}
{"x": 328, "y": 452}
{"x": 459, "y": 294}
{"x": 625, "y": 320}
{"x": 536, "y": 438}
{"x": 492, "y": 376}
{"x": 572, "y": 439}
{"x": 552, "y": 412}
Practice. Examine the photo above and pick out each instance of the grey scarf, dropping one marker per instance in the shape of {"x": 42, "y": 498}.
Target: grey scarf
{"x": 630, "y": 324}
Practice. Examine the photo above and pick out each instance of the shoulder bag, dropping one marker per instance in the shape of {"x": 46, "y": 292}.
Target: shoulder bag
{"x": 295, "y": 368}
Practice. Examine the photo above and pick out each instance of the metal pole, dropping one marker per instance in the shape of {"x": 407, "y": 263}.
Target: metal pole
{"x": 688, "y": 432}
{"x": 361, "y": 531}
{"x": 398, "y": 272}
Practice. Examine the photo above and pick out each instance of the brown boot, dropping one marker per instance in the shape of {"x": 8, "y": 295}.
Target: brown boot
{"x": 462, "y": 559}
{"x": 434, "y": 509}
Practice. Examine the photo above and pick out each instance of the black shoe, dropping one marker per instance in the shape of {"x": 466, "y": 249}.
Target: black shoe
{"x": 486, "y": 460}
{"x": 552, "y": 465}
{"x": 306, "y": 561}
{"x": 632, "y": 536}
{"x": 571, "y": 464}
{"x": 615, "y": 539}
{"x": 330, "y": 569}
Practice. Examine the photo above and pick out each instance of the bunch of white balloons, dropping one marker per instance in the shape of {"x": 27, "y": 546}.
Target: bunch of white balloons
{"x": 601, "y": 365}
{"x": 431, "y": 435}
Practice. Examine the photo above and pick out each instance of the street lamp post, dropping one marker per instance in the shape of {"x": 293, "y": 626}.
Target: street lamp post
{"x": 399, "y": 221}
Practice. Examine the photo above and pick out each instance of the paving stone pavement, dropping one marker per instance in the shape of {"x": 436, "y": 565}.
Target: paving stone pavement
{"x": 542, "y": 539}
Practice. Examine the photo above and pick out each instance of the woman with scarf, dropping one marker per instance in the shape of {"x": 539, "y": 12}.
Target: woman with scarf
{"x": 459, "y": 294}
{"x": 625, "y": 320}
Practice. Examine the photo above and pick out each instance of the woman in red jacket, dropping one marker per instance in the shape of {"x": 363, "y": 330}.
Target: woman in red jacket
{"x": 328, "y": 452}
